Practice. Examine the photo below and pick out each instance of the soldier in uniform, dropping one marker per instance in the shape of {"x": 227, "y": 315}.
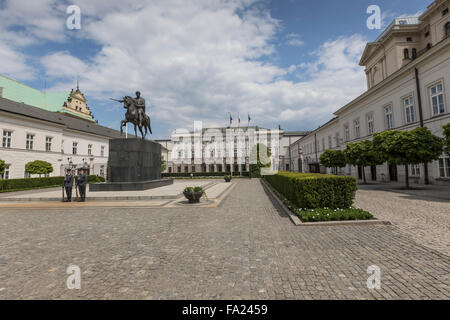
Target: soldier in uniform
{"x": 68, "y": 185}
{"x": 140, "y": 105}
{"x": 81, "y": 183}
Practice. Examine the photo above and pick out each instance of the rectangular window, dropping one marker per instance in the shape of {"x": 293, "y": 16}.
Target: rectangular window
{"x": 347, "y": 133}
{"x": 30, "y": 141}
{"x": 330, "y": 142}
{"x": 89, "y": 149}
{"x": 444, "y": 167}
{"x": 323, "y": 144}
{"x": 338, "y": 142}
{"x": 48, "y": 144}
{"x": 5, "y": 174}
{"x": 388, "y": 117}
{"x": 414, "y": 170}
{"x": 6, "y": 139}
{"x": 102, "y": 152}
{"x": 75, "y": 148}
{"x": 437, "y": 99}
{"x": 410, "y": 115}
{"x": 370, "y": 124}
{"x": 357, "y": 129}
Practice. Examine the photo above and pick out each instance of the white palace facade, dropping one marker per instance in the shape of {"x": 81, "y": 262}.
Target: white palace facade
{"x": 408, "y": 80}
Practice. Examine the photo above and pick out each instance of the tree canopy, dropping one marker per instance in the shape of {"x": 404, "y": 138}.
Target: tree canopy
{"x": 38, "y": 167}
{"x": 447, "y": 136}
{"x": 362, "y": 154}
{"x": 259, "y": 158}
{"x": 408, "y": 147}
{"x": 333, "y": 159}
{"x": 2, "y": 167}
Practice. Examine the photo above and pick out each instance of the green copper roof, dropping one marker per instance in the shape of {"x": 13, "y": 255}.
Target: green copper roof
{"x": 19, "y": 92}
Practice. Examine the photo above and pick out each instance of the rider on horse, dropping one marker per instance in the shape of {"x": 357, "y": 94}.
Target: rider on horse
{"x": 140, "y": 105}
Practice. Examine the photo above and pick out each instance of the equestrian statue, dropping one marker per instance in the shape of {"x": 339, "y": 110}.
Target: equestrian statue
{"x": 135, "y": 114}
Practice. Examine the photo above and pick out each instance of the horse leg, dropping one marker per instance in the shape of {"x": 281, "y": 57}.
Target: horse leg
{"x": 121, "y": 127}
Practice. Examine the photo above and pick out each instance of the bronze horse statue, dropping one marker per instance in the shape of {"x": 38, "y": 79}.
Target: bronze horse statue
{"x": 132, "y": 116}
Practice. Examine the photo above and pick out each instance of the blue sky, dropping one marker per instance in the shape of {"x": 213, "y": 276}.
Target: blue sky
{"x": 285, "y": 62}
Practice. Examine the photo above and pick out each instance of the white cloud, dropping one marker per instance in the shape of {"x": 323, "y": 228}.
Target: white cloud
{"x": 200, "y": 59}
{"x": 14, "y": 64}
{"x": 294, "y": 39}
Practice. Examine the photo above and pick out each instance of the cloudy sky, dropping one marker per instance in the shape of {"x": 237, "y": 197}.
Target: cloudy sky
{"x": 287, "y": 62}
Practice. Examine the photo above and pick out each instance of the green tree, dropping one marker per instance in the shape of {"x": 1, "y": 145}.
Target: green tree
{"x": 163, "y": 165}
{"x": 259, "y": 158}
{"x": 2, "y": 167}
{"x": 333, "y": 159}
{"x": 408, "y": 147}
{"x": 362, "y": 154}
{"x": 447, "y": 136}
{"x": 38, "y": 167}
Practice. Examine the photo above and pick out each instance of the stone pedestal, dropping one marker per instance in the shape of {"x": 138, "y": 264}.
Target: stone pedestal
{"x": 133, "y": 164}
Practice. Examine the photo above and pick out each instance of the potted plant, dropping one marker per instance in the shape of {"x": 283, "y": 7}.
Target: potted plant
{"x": 227, "y": 178}
{"x": 194, "y": 194}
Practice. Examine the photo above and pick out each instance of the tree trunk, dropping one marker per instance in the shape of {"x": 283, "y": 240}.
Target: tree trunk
{"x": 407, "y": 176}
{"x": 427, "y": 178}
{"x": 364, "y": 175}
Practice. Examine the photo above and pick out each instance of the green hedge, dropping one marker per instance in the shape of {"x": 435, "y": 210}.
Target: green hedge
{"x": 311, "y": 191}
{"x": 202, "y": 174}
{"x": 36, "y": 183}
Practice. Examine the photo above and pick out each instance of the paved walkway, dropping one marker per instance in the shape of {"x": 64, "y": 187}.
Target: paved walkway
{"x": 422, "y": 214}
{"x": 244, "y": 248}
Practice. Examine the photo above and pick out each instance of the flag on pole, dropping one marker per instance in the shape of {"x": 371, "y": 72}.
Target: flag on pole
{"x": 231, "y": 118}
{"x": 249, "y": 119}
{"x": 239, "y": 119}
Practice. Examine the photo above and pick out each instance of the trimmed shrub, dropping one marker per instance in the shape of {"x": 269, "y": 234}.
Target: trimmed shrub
{"x": 36, "y": 183}
{"x": 311, "y": 191}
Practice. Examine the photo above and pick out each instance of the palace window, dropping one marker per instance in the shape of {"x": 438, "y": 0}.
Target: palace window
{"x": 7, "y": 139}
{"x": 102, "y": 151}
{"x": 437, "y": 99}
{"x": 30, "y": 141}
{"x": 5, "y": 174}
{"x": 48, "y": 144}
{"x": 388, "y": 117}
{"x": 75, "y": 148}
{"x": 323, "y": 144}
{"x": 357, "y": 129}
{"x": 330, "y": 142}
{"x": 444, "y": 167}
{"x": 409, "y": 110}
{"x": 346, "y": 133}
{"x": 406, "y": 54}
{"x": 89, "y": 149}
{"x": 415, "y": 170}
{"x": 370, "y": 124}
{"x": 447, "y": 29}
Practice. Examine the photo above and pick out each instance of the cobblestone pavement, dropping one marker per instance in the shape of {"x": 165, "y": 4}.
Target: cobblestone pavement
{"x": 244, "y": 248}
{"x": 417, "y": 213}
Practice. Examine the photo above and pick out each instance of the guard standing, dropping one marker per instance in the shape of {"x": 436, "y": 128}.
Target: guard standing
{"x": 81, "y": 183}
{"x": 68, "y": 185}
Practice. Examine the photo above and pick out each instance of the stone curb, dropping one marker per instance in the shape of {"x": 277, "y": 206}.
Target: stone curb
{"x": 298, "y": 222}
{"x": 93, "y": 199}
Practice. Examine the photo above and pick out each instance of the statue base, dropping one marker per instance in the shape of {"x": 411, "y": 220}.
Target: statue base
{"x": 133, "y": 164}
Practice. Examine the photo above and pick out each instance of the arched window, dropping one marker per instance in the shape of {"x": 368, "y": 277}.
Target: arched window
{"x": 447, "y": 29}
{"x": 406, "y": 53}
{"x": 414, "y": 53}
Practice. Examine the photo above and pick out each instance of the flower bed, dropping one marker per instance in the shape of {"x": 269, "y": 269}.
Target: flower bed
{"x": 323, "y": 214}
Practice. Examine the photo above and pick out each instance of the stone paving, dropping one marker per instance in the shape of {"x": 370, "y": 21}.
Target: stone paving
{"x": 422, "y": 213}
{"x": 244, "y": 248}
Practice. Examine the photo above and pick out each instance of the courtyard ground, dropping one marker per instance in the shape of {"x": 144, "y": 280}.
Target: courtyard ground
{"x": 243, "y": 248}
